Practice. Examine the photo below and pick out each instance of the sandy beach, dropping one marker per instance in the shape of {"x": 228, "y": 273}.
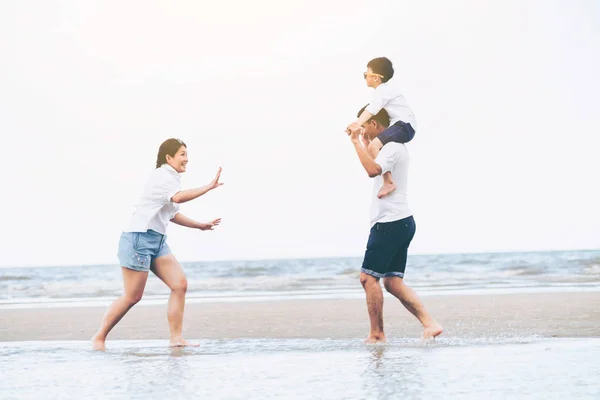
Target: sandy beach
{"x": 544, "y": 314}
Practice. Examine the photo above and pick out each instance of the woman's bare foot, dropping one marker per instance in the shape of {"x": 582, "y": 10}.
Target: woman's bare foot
{"x": 182, "y": 343}
{"x": 98, "y": 344}
{"x": 373, "y": 339}
{"x": 432, "y": 331}
{"x": 386, "y": 189}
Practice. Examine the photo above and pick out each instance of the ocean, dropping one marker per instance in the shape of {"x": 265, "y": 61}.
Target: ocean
{"x": 482, "y": 367}
{"x": 87, "y": 285}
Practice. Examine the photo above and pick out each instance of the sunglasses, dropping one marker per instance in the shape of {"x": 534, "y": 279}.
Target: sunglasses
{"x": 365, "y": 74}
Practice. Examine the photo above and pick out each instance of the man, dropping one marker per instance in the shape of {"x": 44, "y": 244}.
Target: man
{"x": 392, "y": 229}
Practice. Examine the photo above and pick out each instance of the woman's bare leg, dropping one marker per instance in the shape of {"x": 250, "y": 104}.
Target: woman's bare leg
{"x": 170, "y": 272}
{"x": 134, "y": 283}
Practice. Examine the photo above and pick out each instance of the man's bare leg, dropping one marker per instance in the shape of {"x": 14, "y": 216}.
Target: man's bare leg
{"x": 409, "y": 299}
{"x": 388, "y": 183}
{"x": 374, "y": 306}
{"x": 134, "y": 283}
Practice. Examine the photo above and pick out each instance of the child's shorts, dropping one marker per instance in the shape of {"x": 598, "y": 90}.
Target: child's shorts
{"x": 400, "y": 132}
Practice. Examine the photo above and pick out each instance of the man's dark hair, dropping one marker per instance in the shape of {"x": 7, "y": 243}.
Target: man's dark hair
{"x": 382, "y": 117}
{"x": 382, "y": 66}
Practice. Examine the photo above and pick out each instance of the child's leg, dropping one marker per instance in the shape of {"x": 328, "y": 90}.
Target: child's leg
{"x": 388, "y": 185}
{"x": 374, "y": 147}
{"x": 400, "y": 133}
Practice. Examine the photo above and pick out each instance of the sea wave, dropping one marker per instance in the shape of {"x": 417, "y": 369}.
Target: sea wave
{"x": 436, "y": 272}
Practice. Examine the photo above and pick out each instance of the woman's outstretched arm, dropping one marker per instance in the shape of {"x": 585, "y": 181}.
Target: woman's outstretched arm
{"x": 184, "y": 196}
{"x": 182, "y": 220}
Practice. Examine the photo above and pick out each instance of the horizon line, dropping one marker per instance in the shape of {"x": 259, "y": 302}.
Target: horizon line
{"x": 305, "y": 258}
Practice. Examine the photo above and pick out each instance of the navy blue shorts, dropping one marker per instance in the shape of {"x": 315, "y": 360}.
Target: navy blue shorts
{"x": 387, "y": 248}
{"x": 400, "y": 132}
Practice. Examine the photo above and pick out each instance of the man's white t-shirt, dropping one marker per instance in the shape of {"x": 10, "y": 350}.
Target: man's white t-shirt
{"x": 393, "y": 207}
{"x": 155, "y": 208}
{"x": 388, "y": 96}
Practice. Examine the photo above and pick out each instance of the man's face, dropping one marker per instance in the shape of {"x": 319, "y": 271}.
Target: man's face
{"x": 372, "y": 129}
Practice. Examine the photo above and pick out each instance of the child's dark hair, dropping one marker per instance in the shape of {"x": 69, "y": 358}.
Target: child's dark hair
{"x": 382, "y": 66}
{"x": 382, "y": 117}
{"x": 170, "y": 147}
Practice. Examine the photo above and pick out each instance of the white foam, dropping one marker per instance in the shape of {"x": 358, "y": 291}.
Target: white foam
{"x": 244, "y": 297}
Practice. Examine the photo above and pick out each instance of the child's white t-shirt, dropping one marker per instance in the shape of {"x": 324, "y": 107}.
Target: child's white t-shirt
{"x": 388, "y": 96}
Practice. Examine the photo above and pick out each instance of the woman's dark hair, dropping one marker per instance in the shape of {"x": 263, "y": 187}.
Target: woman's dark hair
{"x": 382, "y": 66}
{"x": 170, "y": 147}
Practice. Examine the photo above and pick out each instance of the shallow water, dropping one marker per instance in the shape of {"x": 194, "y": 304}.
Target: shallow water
{"x": 526, "y": 367}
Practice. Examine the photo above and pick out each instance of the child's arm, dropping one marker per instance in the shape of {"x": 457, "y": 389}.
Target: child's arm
{"x": 364, "y": 117}
{"x": 377, "y": 103}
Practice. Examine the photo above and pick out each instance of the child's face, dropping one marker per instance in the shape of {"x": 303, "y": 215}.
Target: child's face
{"x": 372, "y": 79}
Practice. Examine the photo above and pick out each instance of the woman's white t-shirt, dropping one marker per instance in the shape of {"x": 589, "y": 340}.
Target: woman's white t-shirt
{"x": 155, "y": 208}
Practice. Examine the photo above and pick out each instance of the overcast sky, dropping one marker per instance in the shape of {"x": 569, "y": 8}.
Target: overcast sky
{"x": 505, "y": 93}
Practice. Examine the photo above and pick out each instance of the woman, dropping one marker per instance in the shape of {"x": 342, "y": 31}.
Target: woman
{"x": 143, "y": 246}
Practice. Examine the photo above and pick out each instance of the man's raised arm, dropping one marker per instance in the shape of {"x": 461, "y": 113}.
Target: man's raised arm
{"x": 372, "y": 168}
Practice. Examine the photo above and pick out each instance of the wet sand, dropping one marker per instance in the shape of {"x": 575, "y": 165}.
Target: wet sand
{"x": 465, "y": 316}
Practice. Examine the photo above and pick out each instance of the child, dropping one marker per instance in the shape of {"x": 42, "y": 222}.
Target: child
{"x": 402, "y": 120}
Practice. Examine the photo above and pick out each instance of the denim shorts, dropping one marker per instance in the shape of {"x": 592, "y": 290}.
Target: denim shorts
{"x": 400, "y": 132}
{"x": 137, "y": 250}
{"x": 387, "y": 248}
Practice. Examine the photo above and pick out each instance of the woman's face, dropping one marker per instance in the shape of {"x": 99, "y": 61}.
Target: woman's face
{"x": 179, "y": 160}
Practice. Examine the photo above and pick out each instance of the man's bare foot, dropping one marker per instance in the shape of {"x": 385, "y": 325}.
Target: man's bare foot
{"x": 374, "y": 339}
{"x": 432, "y": 331}
{"x": 181, "y": 343}
{"x": 386, "y": 189}
{"x": 98, "y": 344}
